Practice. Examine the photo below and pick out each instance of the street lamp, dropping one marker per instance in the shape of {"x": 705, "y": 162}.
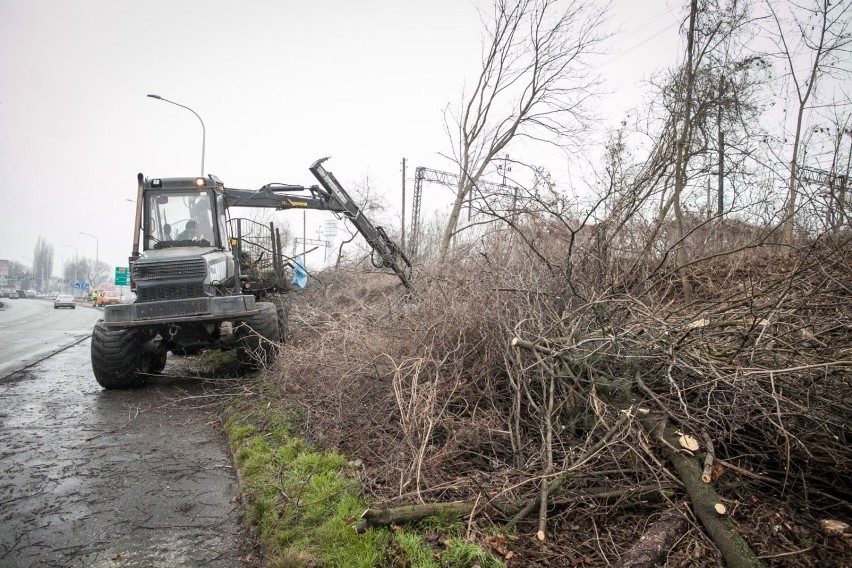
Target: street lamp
{"x": 75, "y": 267}
{"x": 203, "y": 130}
{"x": 97, "y": 247}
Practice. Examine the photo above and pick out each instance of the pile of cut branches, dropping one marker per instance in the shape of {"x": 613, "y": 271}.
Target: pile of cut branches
{"x": 500, "y": 386}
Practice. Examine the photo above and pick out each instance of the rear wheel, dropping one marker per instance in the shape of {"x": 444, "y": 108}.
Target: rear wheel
{"x": 257, "y": 337}
{"x": 118, "y": 358}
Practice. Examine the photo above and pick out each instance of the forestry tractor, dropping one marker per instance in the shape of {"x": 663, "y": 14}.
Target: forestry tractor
{"x": 205, "y": 278}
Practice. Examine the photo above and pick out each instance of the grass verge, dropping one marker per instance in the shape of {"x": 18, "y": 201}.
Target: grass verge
{"x": 305, "y": 502}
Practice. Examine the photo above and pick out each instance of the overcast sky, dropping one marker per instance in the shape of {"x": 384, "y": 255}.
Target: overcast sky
{"x": 278, "y": 83}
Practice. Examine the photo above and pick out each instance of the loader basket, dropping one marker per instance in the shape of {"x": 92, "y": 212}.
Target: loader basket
{"x": 258, "y": 247}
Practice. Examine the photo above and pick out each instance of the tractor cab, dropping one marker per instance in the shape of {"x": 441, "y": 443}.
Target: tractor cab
{"x": 185, "y": 252}
{"x": 183, "y": 212}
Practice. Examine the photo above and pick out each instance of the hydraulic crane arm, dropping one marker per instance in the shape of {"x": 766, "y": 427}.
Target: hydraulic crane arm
{"x": 328, "y": 196}
{"x": 390, "y": 255}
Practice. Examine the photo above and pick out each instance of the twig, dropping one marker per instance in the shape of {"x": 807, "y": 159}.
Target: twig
{"x": 554, "y": 485}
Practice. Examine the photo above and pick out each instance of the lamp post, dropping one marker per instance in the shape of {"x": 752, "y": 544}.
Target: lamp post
{"x": 75, "y": 268}
{"x": 203, "y": 130}
{"x": 97, "y": 248}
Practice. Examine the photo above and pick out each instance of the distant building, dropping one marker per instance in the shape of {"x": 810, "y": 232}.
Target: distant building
{"x": 4, "y": 273}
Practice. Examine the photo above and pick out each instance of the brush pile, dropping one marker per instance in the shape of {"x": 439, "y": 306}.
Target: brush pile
{"x": 574, "y": 409}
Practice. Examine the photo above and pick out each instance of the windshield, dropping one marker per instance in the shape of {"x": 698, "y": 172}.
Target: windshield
{"x": 178, "y": 219}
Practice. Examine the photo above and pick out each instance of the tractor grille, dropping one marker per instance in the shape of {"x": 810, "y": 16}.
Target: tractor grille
{"x": 171, "y": 291}
{"x": 175, "y": 308}
{"x": 161, "y": 279}
{"x": 189, "y": 268}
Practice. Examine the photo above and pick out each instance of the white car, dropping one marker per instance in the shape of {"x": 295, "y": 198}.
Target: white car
{"x": 64, "y": 301}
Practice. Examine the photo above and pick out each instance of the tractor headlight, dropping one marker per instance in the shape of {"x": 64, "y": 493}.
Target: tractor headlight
{"x": 218, "y": 270}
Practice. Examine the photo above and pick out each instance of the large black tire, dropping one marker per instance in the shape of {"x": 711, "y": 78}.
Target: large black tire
{"x": 258, "y": 336}
{"x": 118, "y": 358}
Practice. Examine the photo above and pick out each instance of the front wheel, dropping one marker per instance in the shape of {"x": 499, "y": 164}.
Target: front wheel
{"x": 118, "y": 358}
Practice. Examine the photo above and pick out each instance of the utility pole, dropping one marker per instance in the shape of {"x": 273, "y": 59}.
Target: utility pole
{"x": 505, "y": 169}
{"x": 402, "y": 240}
{"x": 448, "y": 179}
{"x": 721, "y": 183}
{"x": 836, "y": 196}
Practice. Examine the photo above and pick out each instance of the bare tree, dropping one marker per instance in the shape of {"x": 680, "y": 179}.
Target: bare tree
{"x": 704, "y": 115}
{"x": 96, "y": 273}
{"x": 535, "y": 83}
{"x": 42, "y": 263}
{"x": 816, "y": 32}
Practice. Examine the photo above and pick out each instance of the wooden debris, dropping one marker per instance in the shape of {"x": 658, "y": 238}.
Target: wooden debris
{"x": 376, "y": 517}
{"x": 831, "y": 527}
{"x": 734, "y": 549}
{"x": 650, "y": 550}
{"x": 688, "y": 442}
{"x": 709, "y": 459}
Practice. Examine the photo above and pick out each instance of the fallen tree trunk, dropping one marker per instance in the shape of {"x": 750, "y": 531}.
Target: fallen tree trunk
{"x": 734, "y": 549}
{"x": 384, "y": 516}
{"x": 377, "y": 517}
{"x": 651, "y": 549}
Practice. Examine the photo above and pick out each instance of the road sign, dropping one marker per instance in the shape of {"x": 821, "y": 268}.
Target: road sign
{"x": 122, "y": 276}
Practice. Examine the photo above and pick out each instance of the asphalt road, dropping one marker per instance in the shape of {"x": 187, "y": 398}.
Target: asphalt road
{"x": 106, "y": 478}
{"x": 32, "y": 329}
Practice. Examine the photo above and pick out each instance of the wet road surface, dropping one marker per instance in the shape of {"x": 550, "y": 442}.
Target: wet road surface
{"x": 31, "y": 330}
{"x": 112, "y": 478}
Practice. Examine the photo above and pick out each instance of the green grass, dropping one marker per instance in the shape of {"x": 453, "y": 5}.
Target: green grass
{"x": 220, "y": 363}
{"x": 306, "y": 502}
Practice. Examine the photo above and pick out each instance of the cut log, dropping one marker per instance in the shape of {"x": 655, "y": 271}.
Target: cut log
{"x": 734, "y": 549}
{"x": 688, "y": 442}
{"x": 378, "y": 517}
{"x": 650, "y": 550}
{"x": 385, "y": 516}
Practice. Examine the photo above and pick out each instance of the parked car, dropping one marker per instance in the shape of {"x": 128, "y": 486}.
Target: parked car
{"x": 13, "y": 295}
{"x": 64, "y": 301}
